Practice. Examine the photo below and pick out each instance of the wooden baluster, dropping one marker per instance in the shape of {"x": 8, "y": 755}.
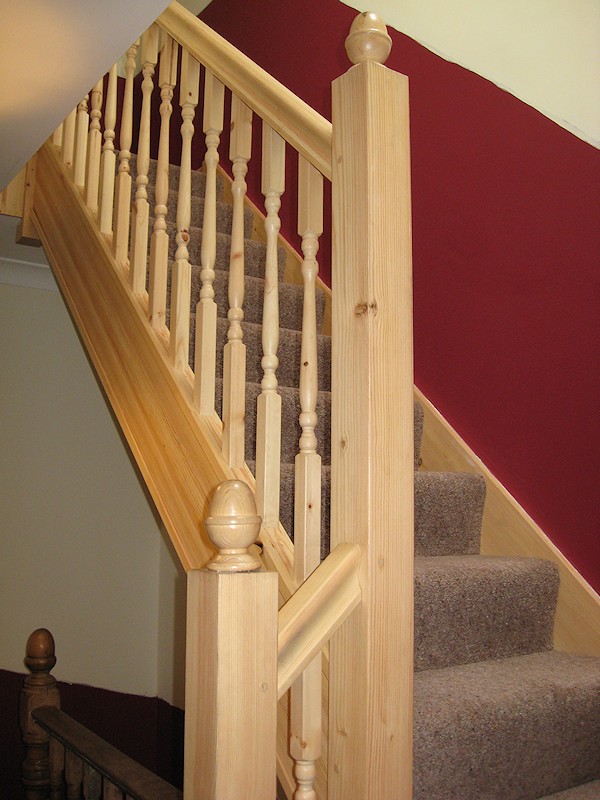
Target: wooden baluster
{"x": 141, "y": 207}
{"x": 81, "y": 134}
{"x": 92, "y": 783}
{"x": 92, "y": 178}
{"x": 57, "y": 136}
{"x": 123, "y": 181}
{"x": 68, "y": 139}
{"x": 234, "y": 356}
{"x": 231, "y": 667}
{"x": 73, "y": 775}
{"x": 372, "y": 438}
{"x": 111, "y": 792}
{"x": 305, "y": 697}
{"x": 57, "y": 769}
{"x": 206, "y": 309}
{"x": 268, "y": 429}
{"x": 159, "y": 243}
{"x": 109, "y": 159}
{"x": 179, "y": 341}
{"x": 39, "y": 689}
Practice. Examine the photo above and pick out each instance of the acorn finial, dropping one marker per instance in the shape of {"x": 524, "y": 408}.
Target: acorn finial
{"x": 39, "y": 652}
{"x": 368, "y": 39}
{"x": 233, "y": 526}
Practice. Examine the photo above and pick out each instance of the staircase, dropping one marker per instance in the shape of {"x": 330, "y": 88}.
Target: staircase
{"x": 498, "y": 714}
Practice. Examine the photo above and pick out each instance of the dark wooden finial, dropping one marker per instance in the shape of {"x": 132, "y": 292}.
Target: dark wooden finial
{"x": 39, "y": 653}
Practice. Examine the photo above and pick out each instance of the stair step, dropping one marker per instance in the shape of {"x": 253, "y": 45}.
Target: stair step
{"x": 448, "y": 512}
{"x": 198, "y": 177}
{"x": 514, "y": 729}
{"x": 224, "y": 213}
{"x": 585, "y": 791}
{"x": 474, "y": 608}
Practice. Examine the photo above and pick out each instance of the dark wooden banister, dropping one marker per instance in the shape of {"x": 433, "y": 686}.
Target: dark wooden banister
{"x": 123, "y": 772}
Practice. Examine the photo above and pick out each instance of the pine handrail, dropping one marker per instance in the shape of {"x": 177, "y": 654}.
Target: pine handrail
{"x": 304, "y": 128}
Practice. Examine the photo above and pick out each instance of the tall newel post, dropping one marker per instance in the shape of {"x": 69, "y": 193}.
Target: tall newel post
{"x": 39, "y": 689}
{"x": 371, "y": 656}
{"x": 231, "y": 660}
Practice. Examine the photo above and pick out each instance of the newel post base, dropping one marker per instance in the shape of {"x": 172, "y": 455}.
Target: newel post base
{"x": 231, "y": 660}
{"x": 39, "y": 689}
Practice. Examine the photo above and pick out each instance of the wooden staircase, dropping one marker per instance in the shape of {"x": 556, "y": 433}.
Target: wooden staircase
{"x": 360, "y": 597}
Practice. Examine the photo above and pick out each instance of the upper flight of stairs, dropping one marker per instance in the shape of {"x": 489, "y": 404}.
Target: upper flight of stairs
{"x": 499, "y": 715}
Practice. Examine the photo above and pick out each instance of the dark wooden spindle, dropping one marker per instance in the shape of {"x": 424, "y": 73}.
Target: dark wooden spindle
{"x": 39, "y": 689}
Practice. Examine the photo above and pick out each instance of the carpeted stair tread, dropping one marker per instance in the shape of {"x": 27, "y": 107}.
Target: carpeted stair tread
{"x": 513, "y": 729}
{"x": 585, "y": 791}
{"x": 288, "y": 353}
{"x": 254, "y": 252}
{"x": 290, "y": 427}
{"x": 448, "y": 512}
{"x": 472, "y": 608}
{"x": 224, "y": 212}
{"x": 198, "y": 177}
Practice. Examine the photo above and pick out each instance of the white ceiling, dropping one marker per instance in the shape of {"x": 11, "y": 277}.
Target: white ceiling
{"x": 51, "y": 54}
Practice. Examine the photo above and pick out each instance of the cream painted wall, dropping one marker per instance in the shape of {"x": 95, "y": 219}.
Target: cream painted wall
{"x": 545, "y": 52}
{"x": 80, "y": 550}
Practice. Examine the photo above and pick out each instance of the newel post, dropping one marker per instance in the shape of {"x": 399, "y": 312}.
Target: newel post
{"x": 231, "y": 660}
{"x": 370, "y": 719}
{"x": 39, "y": 689}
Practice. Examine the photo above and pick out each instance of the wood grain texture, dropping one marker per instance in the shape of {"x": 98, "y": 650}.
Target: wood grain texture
{"x": 371, "y": 656}
{"x": 92, "y": 176}
{"x": 26, "y": 231}
{"x": 231, "y": 685}
{"x": 177, "y": 454}
{"x": 508, "y": 530}
{"x": 12, "y": 196}
{"x": 122, "y": 210}
{"x": 300, "y": 125}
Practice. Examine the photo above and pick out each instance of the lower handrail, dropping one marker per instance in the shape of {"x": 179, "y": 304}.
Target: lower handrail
{"x": 123, "y": 772}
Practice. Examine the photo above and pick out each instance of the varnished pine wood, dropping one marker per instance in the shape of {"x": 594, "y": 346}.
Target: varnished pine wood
{"x": 141, "y": 208}
{"x": 108, "y": 159}
{"x": 234, "y": 356}
{"x": 307, "y": 131}
{"x": 371, "y": 656}
{"x": 507, "y": 530}
{"x": 206, "y": 308}
{"x": 92, "y": 178}
{"x": 316, "y": 610}
{"x": 305, "y": 693}
{"x": 179, "y": 456}
{"x": 181, "y": 277}
{"x": 231, "y": 660}
{"x": 268, "y": 423}
{"x": 159, "y": 242}
{"x": 81, "y": 136}
{"x": 123, "y": 181}
{"x": 13, "y": 195}
{"x": 68, "y": 138}
{"x": 26, "y": 232}
{"x": 57, "y": 136}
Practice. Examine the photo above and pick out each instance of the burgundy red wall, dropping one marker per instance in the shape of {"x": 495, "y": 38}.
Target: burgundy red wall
{"x": 506, "y": 261}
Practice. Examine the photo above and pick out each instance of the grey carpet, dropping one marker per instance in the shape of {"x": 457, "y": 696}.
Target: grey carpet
{"x": 498, "y": 714}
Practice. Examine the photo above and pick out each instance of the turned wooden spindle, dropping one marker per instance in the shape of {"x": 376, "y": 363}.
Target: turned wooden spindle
{"x": 123, "y": 181}
{"x": 305, "y": 696}
{"x": 234, "y": 355}
{"x": 57, "y": 769}
{"x": 268, "y": 429}
{"x": 141, "y": 207}
{"x": 73, "y": 775}
{"x": 39, "y": 689}
{"x": 108, "y": 159}
{"x": 206, "y": 309}
{"x": 58, "y": 135}
{"x": 68, "y": 138}
{"x": 233, "y": 526}
{"x": 231, "y": 660}
{"x": 81, "y": 136}
{"x": 179, "y": 339}
{"x": 92, "y": 783}
{"x": 92, "y": 178}
{"x": 159, "y": 243}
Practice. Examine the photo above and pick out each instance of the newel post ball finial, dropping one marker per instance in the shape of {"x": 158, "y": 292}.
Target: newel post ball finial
{"x": 368, "y": 39}
{"x": 233, "y": 526}
{"x": 39, "y": 652}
